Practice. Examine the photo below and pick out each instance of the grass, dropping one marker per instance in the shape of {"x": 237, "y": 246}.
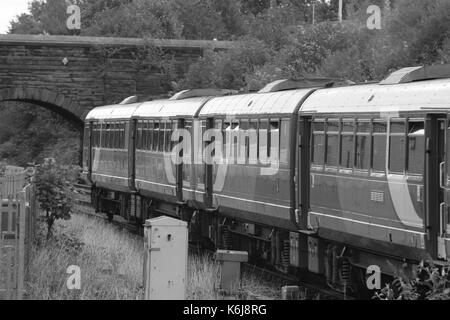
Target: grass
{"x": 111, "y": 263}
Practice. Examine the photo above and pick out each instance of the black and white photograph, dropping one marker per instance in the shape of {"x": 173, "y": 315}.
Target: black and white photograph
{"x": 224, "y": 157}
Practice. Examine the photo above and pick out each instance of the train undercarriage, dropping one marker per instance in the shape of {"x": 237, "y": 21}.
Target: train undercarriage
{"x": 304, "y": 255}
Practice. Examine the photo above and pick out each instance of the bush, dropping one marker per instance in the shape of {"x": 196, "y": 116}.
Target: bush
{"x": 431, "y": 283}
{"x": 53, "y": 183}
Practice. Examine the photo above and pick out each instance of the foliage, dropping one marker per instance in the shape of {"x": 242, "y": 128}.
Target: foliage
{"x": 431, "y": 283}
{"x": 53, "y": 183}
{"x": 2, "y": 169}
{"x": 31, "y": 134}
{"x": 227, "y": 69}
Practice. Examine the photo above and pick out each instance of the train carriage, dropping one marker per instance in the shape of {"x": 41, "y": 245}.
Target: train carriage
{"x": 254, "y": 178}
{"x": 378, "y": 166}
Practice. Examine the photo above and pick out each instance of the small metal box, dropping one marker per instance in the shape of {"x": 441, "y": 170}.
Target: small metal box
{"x": 166, "y": 253}
{"x": 230, "y": 274}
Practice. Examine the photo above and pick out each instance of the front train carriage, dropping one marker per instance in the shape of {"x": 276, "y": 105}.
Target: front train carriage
{"x": 108, "y": 165}
{"x": 251, "y": 182}
{"x": 379, "y": 178}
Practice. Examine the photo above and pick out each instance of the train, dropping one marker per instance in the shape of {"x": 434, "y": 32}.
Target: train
{"x": 315, "y": 176}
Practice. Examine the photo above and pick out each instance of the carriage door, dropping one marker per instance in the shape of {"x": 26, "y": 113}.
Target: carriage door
{"x": 444, "y": 214}
{"x": 303, "y": 173}
{"x": 436, "y": 132}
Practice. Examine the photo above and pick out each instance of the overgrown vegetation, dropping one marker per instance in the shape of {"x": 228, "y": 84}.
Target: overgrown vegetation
{"x": 111, "y": 263}
{"x": 431, "y": 283}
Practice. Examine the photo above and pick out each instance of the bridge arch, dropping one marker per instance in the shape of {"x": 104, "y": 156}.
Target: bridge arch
{"x": 47, "y": 99}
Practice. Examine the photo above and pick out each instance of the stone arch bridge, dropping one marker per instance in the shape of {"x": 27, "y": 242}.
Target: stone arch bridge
{"x": 71, "y": 75}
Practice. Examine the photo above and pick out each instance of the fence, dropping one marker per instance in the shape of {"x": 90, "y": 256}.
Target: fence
{"x": 17, "y": 227}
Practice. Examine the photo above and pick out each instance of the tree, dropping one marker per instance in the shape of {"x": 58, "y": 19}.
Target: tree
{"x": 53, "y": 183}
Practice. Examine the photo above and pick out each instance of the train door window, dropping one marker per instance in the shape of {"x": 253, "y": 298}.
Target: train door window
{"x": 416, "y": 147}
{"x": 115, "y": 141}
{"x": 363, "y": 145}
{"x": 162, "y": 128}
{"x": 347, "y": 145}
{"x": 100, "y": 134}
{"x": 103, "y": 135}
{"x": 94, "y": 135}
{"x": 122, "y": 135}
{"x": 150, "y": 132}
{"x": 168, "y": 138}
{"x": 332, "y": 152}
{"x": 318, "y": 143}
{"x": 379, "y": 146}
{"x": 218, "y": 127}
{"x": 226, "y": 132}
{"x": 139, "y": 135}
{"x": 155, "y": 136}
{"x": 284, "y": 141}
{"x": 188, "y": 127}
{"x": 397, "y": 147}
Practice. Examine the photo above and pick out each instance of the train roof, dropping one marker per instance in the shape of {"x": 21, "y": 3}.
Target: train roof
{"x": 368, "y": 98}
{"x": 279, "y": 103}
{"x": 170, "y": 108}
{"x": 150, "y": 109}
{"x": 113, "y": 112}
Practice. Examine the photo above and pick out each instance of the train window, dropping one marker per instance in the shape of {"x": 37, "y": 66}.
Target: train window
{"x": 284, "y": 141}
{"x": 379, "y": 146}
{"x": 397, "y": 153}
{"x": 416, "y": 147}
{"x": 347, "y": 151}
{"x": 347, "y": 145}
{"x": 318, "y": 143}
{"x": 332, "y": 144}
{"x": 253, "y": 152}
{"x": 263, "y": 140}
{"x": 363, "y": 146}
{"x": 274, "y": 129}
{"x": 244, "y": 150}
{"x": 363, "y": 127}
{"x": 146, "y": 135}
{"x": 155, "y": 136}
{"x": 112, "y": 132}
{"x": 379, "y": 127}
{"x": 150, "y": 132}
{"x": 108, "y": 136}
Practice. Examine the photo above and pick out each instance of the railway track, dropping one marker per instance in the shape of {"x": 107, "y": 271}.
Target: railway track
{"x": 311, "y": 286}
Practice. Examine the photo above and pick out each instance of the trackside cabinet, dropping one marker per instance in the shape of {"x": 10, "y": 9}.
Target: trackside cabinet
{"x": 166, "y": 254}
